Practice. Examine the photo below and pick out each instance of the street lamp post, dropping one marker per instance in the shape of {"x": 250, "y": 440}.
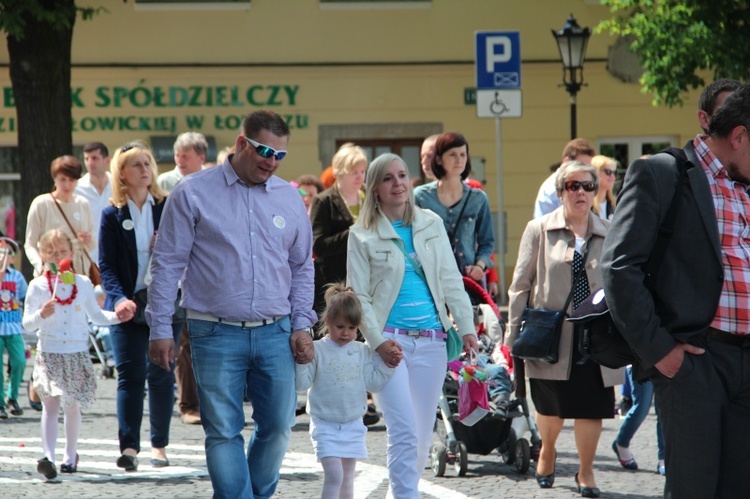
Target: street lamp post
{"x": 571, "y": 42}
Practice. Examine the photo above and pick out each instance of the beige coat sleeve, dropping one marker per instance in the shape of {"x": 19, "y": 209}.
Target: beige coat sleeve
{"x": 524, "y": 277}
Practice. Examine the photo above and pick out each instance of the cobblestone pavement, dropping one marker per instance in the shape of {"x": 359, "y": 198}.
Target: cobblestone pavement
{"x": 301, "y": 475}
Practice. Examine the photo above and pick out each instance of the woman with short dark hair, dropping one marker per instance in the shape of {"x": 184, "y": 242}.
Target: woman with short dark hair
{"x": 465, "y": 211}
{"x": 46, "y": 213}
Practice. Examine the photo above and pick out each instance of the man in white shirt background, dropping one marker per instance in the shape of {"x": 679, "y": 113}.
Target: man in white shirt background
{"x": 190, "y": 150}
{"x": 95, "y": 186}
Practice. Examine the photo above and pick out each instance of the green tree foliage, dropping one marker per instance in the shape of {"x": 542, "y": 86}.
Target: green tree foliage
{"x": 39, "y": 36}
{"x": 678, "y": 39}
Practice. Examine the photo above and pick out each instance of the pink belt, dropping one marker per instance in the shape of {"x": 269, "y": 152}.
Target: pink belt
{"x": 416, "y": 333}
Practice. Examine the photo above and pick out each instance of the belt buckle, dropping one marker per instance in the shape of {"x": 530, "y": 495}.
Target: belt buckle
{"x": 414, "y": 333}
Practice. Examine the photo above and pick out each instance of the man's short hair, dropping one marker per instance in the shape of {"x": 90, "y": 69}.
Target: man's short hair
{"x": 191, "y": 140}
{"x": 96, "y": 146}
{"x": 576, "y": 147}
{"x": 707, "y": 100}
{"x": 254, "y": 122}
{"x": 735, "y": 112}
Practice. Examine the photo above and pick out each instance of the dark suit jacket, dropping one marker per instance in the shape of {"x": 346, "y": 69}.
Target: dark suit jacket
{"x": 330, "y": 220}
{"x": 688, "y": 283}
{"x": 118, "y": 257}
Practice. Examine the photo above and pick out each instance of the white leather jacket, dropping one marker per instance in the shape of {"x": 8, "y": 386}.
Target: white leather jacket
{"x": 375, "y": 270}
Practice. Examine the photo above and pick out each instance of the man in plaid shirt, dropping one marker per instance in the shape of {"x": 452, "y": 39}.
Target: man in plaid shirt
{"x": 690, "y": 327}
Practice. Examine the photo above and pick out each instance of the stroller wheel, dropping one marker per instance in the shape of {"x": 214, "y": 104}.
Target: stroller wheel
{"x": 523, "y": 455}
{"x": 461, "y": 463}
{"x": 508, "y": 448}
{"x": 438, "y": 458}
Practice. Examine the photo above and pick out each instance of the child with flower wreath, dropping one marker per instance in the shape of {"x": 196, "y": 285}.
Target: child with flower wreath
{"x": 57, "y": 304}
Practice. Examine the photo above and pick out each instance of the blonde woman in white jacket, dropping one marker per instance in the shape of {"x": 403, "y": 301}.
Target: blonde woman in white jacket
{"x": 404, "y": 318}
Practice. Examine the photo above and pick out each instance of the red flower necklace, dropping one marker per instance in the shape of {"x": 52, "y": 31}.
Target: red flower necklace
{"x": 66, "y": 301}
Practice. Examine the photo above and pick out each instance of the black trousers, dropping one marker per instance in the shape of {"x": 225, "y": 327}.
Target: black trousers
{"x": 705, "y": 414}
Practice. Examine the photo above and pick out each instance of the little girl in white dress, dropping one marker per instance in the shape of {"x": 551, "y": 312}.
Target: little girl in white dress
{"x": 338, "y": 379}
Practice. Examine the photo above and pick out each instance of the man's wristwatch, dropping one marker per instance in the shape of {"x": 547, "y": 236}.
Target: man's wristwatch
{"x": 308, "y": 330}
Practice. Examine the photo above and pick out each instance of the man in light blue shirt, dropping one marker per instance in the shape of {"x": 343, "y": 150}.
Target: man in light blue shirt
{"x": 240, "y": 240}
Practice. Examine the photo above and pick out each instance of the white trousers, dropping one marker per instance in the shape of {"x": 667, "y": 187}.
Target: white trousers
{"x": 409, "y": 405}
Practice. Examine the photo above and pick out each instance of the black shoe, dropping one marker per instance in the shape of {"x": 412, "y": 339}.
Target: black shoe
{"x": 587, "y": 491}
{"x": 371, "y": 416}
{"x": 15, "y": 409}
{"x": 46, "y": 468}
{"x": 128, "y": 463}
{"x": 3, "y": 414}
{"x": 69, "y": 468}
{"x": 547, "y": 481}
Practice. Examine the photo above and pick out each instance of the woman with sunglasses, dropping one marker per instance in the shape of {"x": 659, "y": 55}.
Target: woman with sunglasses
{"x": 126, "y": 241}
{"x": 555, "y": 248}
{"x": 604, "y": 202}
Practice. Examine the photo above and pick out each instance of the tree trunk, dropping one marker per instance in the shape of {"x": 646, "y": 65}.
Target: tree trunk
{"x": 40, "y": 74}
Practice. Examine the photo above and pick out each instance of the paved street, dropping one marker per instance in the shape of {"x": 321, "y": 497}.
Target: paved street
{"x": 301, "y": 475}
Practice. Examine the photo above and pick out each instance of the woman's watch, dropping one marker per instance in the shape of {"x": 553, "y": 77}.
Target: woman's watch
{"x": 481, "y": 265}
{"x": 308, "y": 330}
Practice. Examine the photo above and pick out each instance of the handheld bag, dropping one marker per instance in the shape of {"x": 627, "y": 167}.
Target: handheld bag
{"x": 473, "y": 403}
{"x": 599, "y": 339}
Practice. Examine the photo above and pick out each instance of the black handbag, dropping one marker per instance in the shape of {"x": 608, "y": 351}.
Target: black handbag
{"x": 600, "y": 340}
{"x": 539, "y": 335}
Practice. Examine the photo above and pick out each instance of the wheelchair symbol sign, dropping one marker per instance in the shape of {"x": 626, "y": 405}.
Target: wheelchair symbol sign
{"x": 499, "y": 103}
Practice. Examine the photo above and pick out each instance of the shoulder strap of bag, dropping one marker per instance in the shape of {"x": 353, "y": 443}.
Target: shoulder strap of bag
{"x": 75, "y": 234}
{"x": 417, "y": 266}
{"x": 666, "y": 229}
{"x": 461, "y": 214}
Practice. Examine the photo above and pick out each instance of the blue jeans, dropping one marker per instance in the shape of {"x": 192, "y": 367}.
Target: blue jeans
{"x": 643, "y": 394}
{"x": 502, "y": 385}
{"x": 225, "y": 360}
{"x": 130, "y": 346}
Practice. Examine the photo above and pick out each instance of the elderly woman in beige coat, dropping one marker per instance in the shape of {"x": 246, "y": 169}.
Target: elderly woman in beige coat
{"x": 553, "y": 248}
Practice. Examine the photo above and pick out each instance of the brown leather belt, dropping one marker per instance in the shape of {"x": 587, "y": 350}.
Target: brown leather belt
{"x": 738, "y": 340}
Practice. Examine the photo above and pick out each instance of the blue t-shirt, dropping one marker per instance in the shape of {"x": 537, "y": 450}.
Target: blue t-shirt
{"x": 414, "y": 307}
{"x": 12, "y": 295}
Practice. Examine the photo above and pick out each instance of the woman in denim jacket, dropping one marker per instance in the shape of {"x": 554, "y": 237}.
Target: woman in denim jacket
{"x": 465, "y": 211}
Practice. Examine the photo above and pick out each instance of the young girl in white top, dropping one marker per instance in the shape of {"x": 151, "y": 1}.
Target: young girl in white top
{"x": 338, "y": 379}
{"x": 63, "y": 374}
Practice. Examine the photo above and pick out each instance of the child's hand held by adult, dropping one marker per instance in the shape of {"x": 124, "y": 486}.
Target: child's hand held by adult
{"x": 302, "y": 347}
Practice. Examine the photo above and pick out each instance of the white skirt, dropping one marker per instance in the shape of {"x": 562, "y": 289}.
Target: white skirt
{"x": 331, "y": 439}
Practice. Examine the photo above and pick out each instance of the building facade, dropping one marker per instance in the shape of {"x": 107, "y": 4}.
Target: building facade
{"x": 383, "y": 74}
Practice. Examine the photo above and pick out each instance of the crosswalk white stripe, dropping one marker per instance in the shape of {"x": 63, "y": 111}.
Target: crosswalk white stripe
{"x": 368, "y": 478}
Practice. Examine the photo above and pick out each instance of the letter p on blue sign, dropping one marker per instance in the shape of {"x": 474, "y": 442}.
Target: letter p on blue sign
{"x": 498, "y": 59}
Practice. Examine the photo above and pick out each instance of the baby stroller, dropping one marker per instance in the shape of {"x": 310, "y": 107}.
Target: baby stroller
{"x": 504, "y": 432}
